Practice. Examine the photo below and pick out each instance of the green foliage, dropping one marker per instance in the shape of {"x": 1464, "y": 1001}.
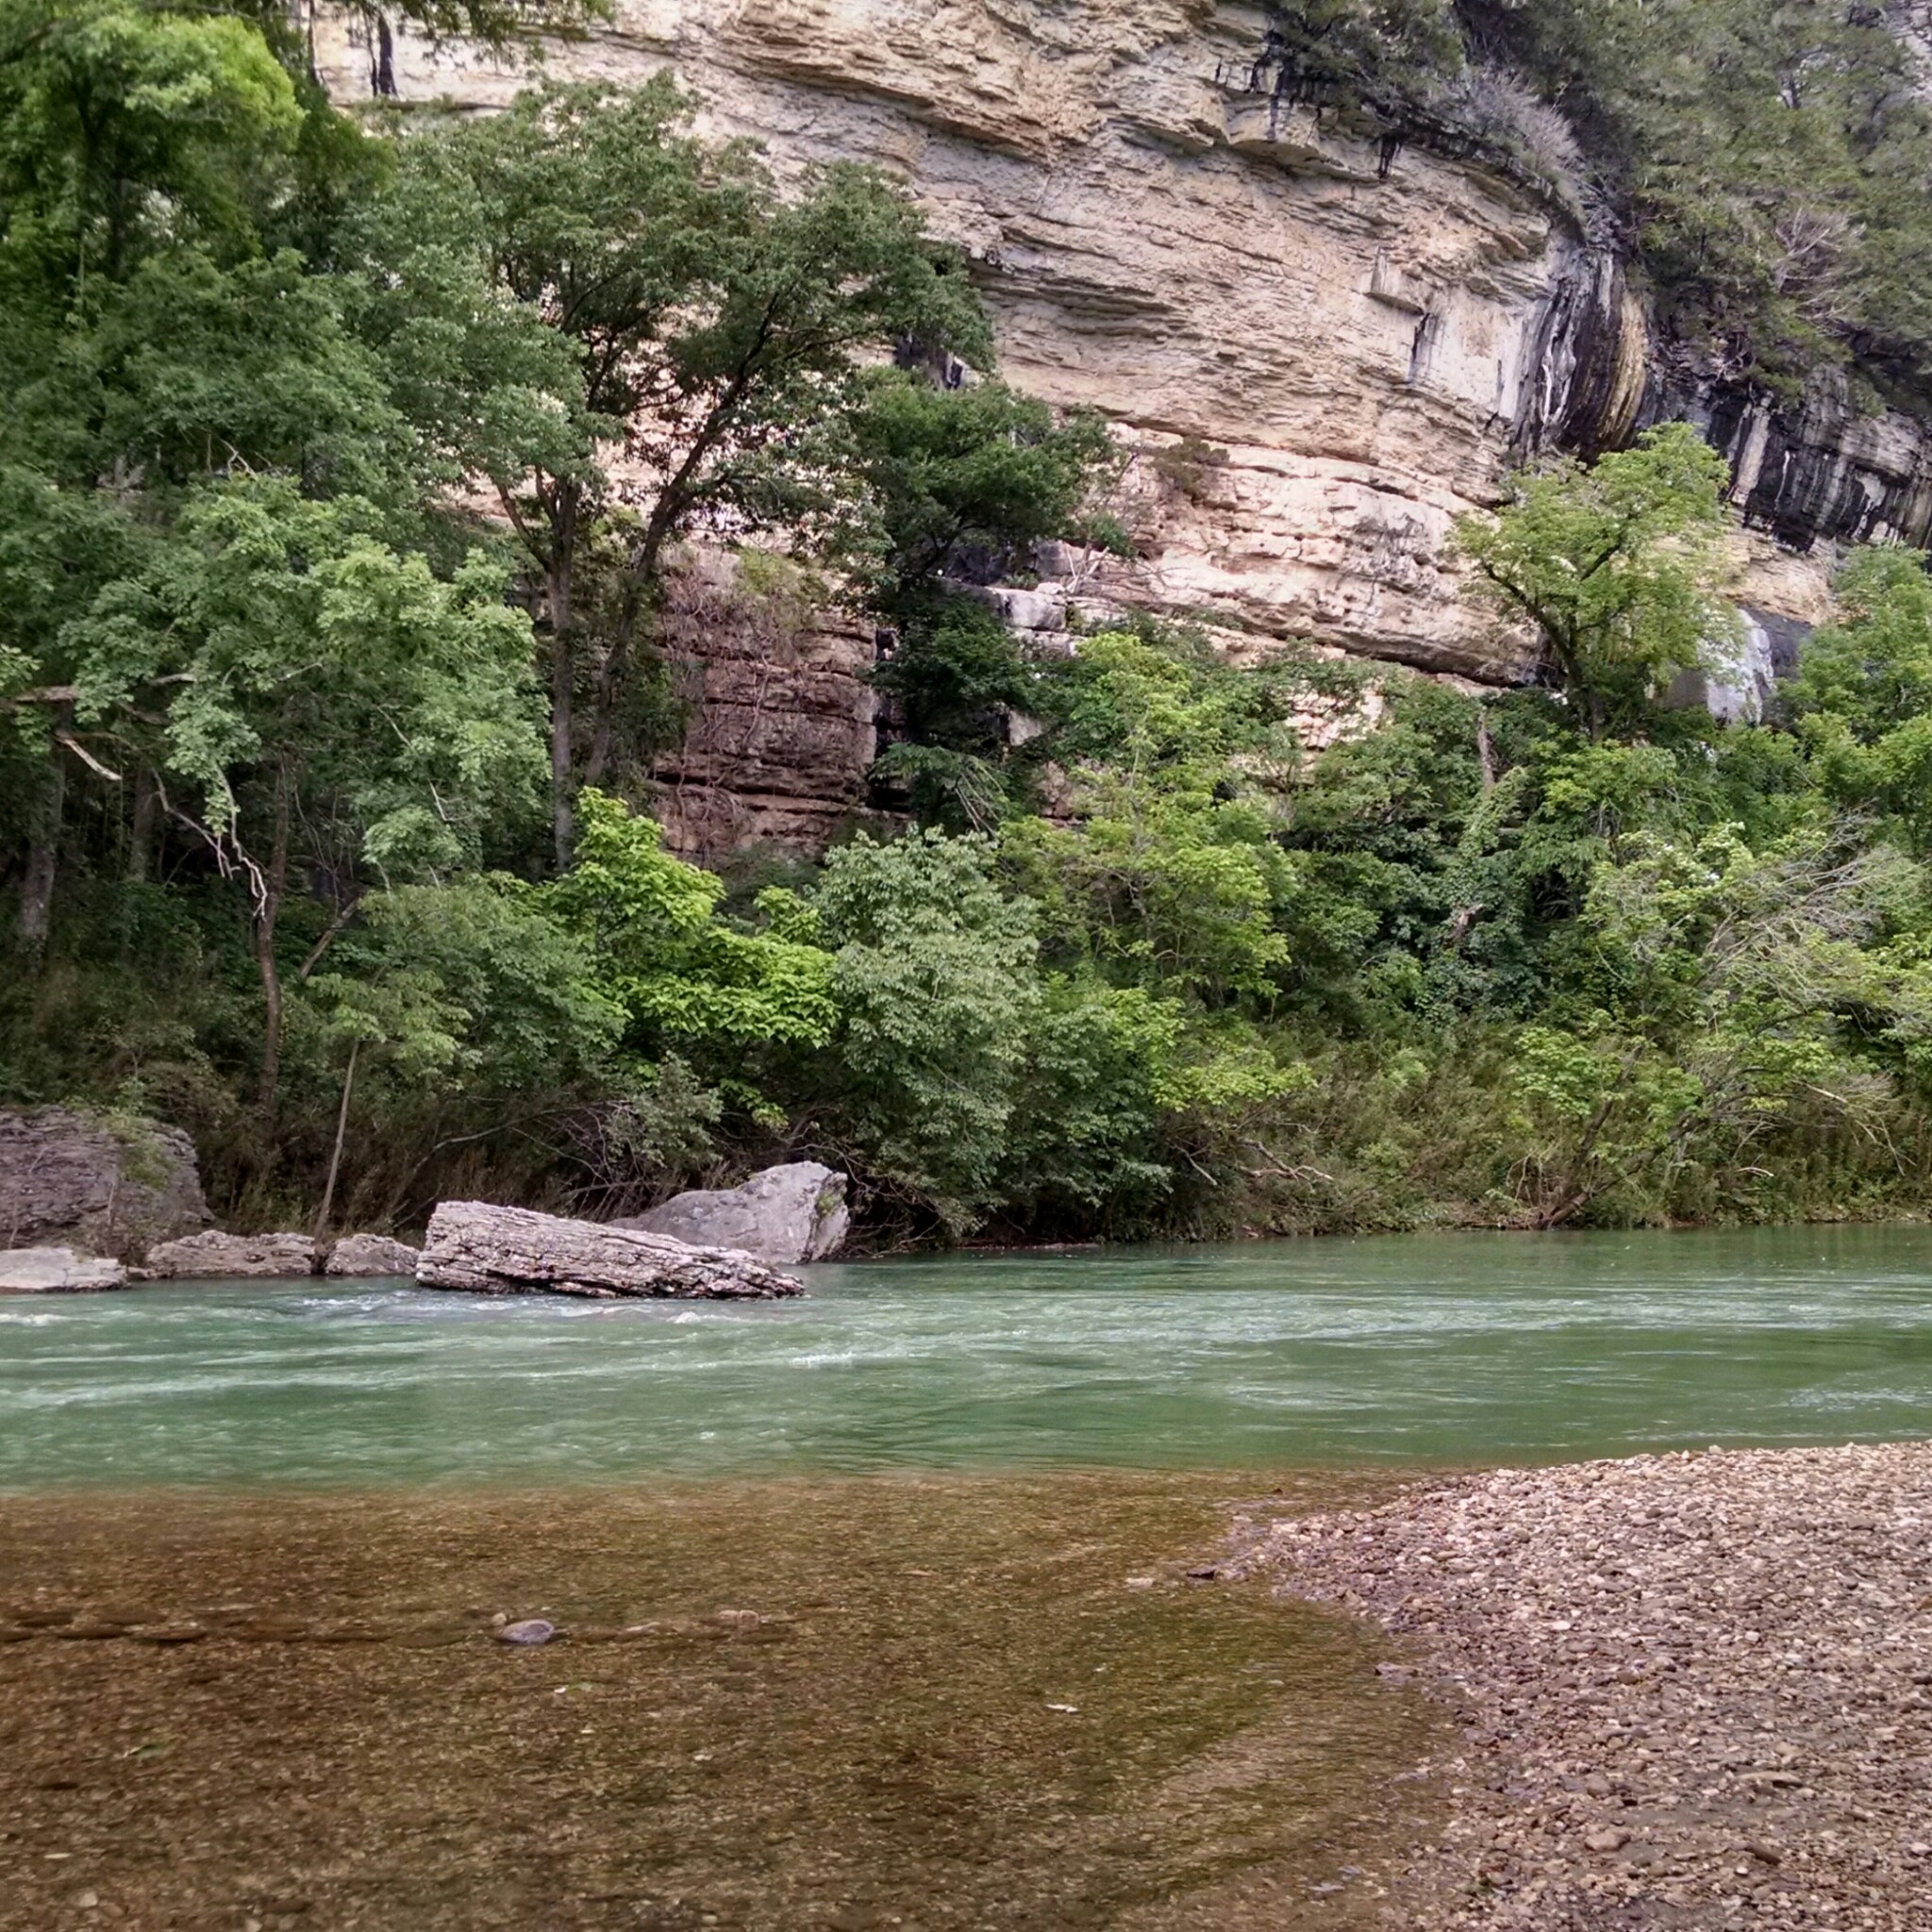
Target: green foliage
{"x": 271, "y": 742}
{"x": 1169, "y": 873}
{"x": 935, "y": 982}
{"x": 968, "y": 477}
{"x": 581, "y": 277}
{"x": 522, "y": 988}
{"x": 1084, "y": 1146}
{"x": 1618, "y": 567}
{"x": 1770, "y": 158}
{"x": 661, "y": 956}
{"x": 126, "y": 132}
{"x": 1863, "y": 699}
{"x": 307, "y": 657}
{"x": 1727, "y": 978}
{"x": 1775, "y": 157}
{"x": 1381, "y": 52}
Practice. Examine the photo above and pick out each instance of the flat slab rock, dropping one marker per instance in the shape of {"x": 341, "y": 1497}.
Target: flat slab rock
{"x": 56, "y": 1271}
{"x": 366, "y": 1255}
{"x": 213, "y": 1256}
{"x": 783, "y": 1216}
{"x": 485, "y": 1250}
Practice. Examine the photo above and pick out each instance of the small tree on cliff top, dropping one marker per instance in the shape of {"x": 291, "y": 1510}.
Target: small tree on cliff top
{"x": 1618, "y": 566}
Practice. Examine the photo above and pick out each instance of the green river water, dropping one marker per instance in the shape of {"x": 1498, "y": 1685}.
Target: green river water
{"x": 1457, "y": 1348}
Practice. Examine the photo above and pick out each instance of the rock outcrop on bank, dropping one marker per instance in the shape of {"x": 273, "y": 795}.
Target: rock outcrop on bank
{"x": 1694, "y": 1688}
{"x": 216, "y": 1256}
{"x": 57, "y": 1271}
{"x": 366, "y": 1255}
{"x": 785, "y": 1216}
{"x": 485, "y": 1250}
{"x": 102, "y": 1185}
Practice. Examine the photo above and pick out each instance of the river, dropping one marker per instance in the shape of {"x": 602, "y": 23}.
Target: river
{"x": 1427, "y": 1349}
{"x": 898, "y": 1606}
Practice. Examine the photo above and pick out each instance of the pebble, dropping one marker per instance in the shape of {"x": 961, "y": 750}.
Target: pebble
{"x": 531, "y": 1631}
{"x": 1689, "y": 1688}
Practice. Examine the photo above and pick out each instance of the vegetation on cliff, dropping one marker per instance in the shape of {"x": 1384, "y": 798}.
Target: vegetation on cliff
{"x": 1769, "y": 162}
{"x": 337, "y": 488}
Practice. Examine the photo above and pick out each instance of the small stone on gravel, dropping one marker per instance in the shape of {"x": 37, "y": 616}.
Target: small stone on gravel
{"x": 531, "y": 1632}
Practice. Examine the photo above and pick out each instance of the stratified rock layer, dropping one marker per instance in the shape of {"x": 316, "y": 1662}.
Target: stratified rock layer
{"x": 1323, "y": 346}
{"x": 779, "y": 730}
{"x": 107, "y": 1187}
{"x": 783, "y": 1216}
{"x": 487, "y": 1250}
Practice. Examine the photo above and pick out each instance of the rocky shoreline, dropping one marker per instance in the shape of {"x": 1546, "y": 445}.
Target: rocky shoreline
{"x": 1696, "y": 1690}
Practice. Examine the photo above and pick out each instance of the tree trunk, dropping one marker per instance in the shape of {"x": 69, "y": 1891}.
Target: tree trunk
{"x": 636, "y": 599}
{"x": 140, "y": 830}
{"x": 335, "y": 1159}
{"x": 1485, "y": 751}
{"x": 274, "y": 883}
{"x": 42, "y": 858}
{"x": 562, "y": 674}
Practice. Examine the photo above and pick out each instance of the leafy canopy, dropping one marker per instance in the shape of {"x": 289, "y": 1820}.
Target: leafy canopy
{"x": 1618, "y": 566}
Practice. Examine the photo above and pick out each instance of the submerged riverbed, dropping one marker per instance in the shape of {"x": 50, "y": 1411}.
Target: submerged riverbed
{"x": 960, "y": 1702}
{"x": 1458, "y": 1348}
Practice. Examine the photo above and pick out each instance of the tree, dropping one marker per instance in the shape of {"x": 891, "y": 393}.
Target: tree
{"x": 1862, "y": 701}
{"x": 1732, "y": 989}
{"x": 1618, "y": 566}
{"x": 718, "y": 329}
{"x": 935, "y": 986}
{"x": 125, "y": 132}
{"x": 963, "y": 480}
{"x": 951, "y": 484}
{"x": 1168, "y": 875}
{"x": 336, "y": 711}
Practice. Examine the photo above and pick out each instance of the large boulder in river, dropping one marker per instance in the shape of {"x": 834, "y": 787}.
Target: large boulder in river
{"x": 783, "y": 1216}
{"x": 365, "y": 1255}
{"x": 513, "y": 1251}
{"x": 102, "y": 1184}
{"x": 56, "y": 1271}
{"x": 216, "y": 1256}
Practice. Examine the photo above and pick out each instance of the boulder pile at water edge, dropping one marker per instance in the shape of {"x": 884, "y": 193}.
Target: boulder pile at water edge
{"x": 783, "y": 1216}
{"x": 1696, "y": 1690}
{"x": 485, "y": 1250}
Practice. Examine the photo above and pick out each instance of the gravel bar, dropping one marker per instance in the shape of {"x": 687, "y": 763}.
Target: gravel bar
{"x": 1694, "y": 1690}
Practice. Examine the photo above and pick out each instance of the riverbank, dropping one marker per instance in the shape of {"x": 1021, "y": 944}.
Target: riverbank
{"x": 1693, "y": 1687}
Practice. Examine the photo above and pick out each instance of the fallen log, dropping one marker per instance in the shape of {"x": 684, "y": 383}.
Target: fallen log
{"x": 483, "y": 1250}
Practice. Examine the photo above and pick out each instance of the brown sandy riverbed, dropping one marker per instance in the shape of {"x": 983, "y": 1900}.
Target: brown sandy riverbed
{"x": 777, "y": 1706}
{"x": 1694, "y": 1690}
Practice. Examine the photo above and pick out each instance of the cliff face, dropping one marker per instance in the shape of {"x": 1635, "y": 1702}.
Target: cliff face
{"x": 777, "y": 708}
{"x": 1322, "y": 347}
{"x": 1357, "y": 332}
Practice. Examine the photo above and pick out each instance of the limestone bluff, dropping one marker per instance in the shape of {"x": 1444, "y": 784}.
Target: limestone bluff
{"x": 1340, "y": 342}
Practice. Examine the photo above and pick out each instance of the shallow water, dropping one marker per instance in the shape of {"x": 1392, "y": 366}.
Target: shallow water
{"x": 954, "y": 1703}
{"x": 1460, "y": 1348}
